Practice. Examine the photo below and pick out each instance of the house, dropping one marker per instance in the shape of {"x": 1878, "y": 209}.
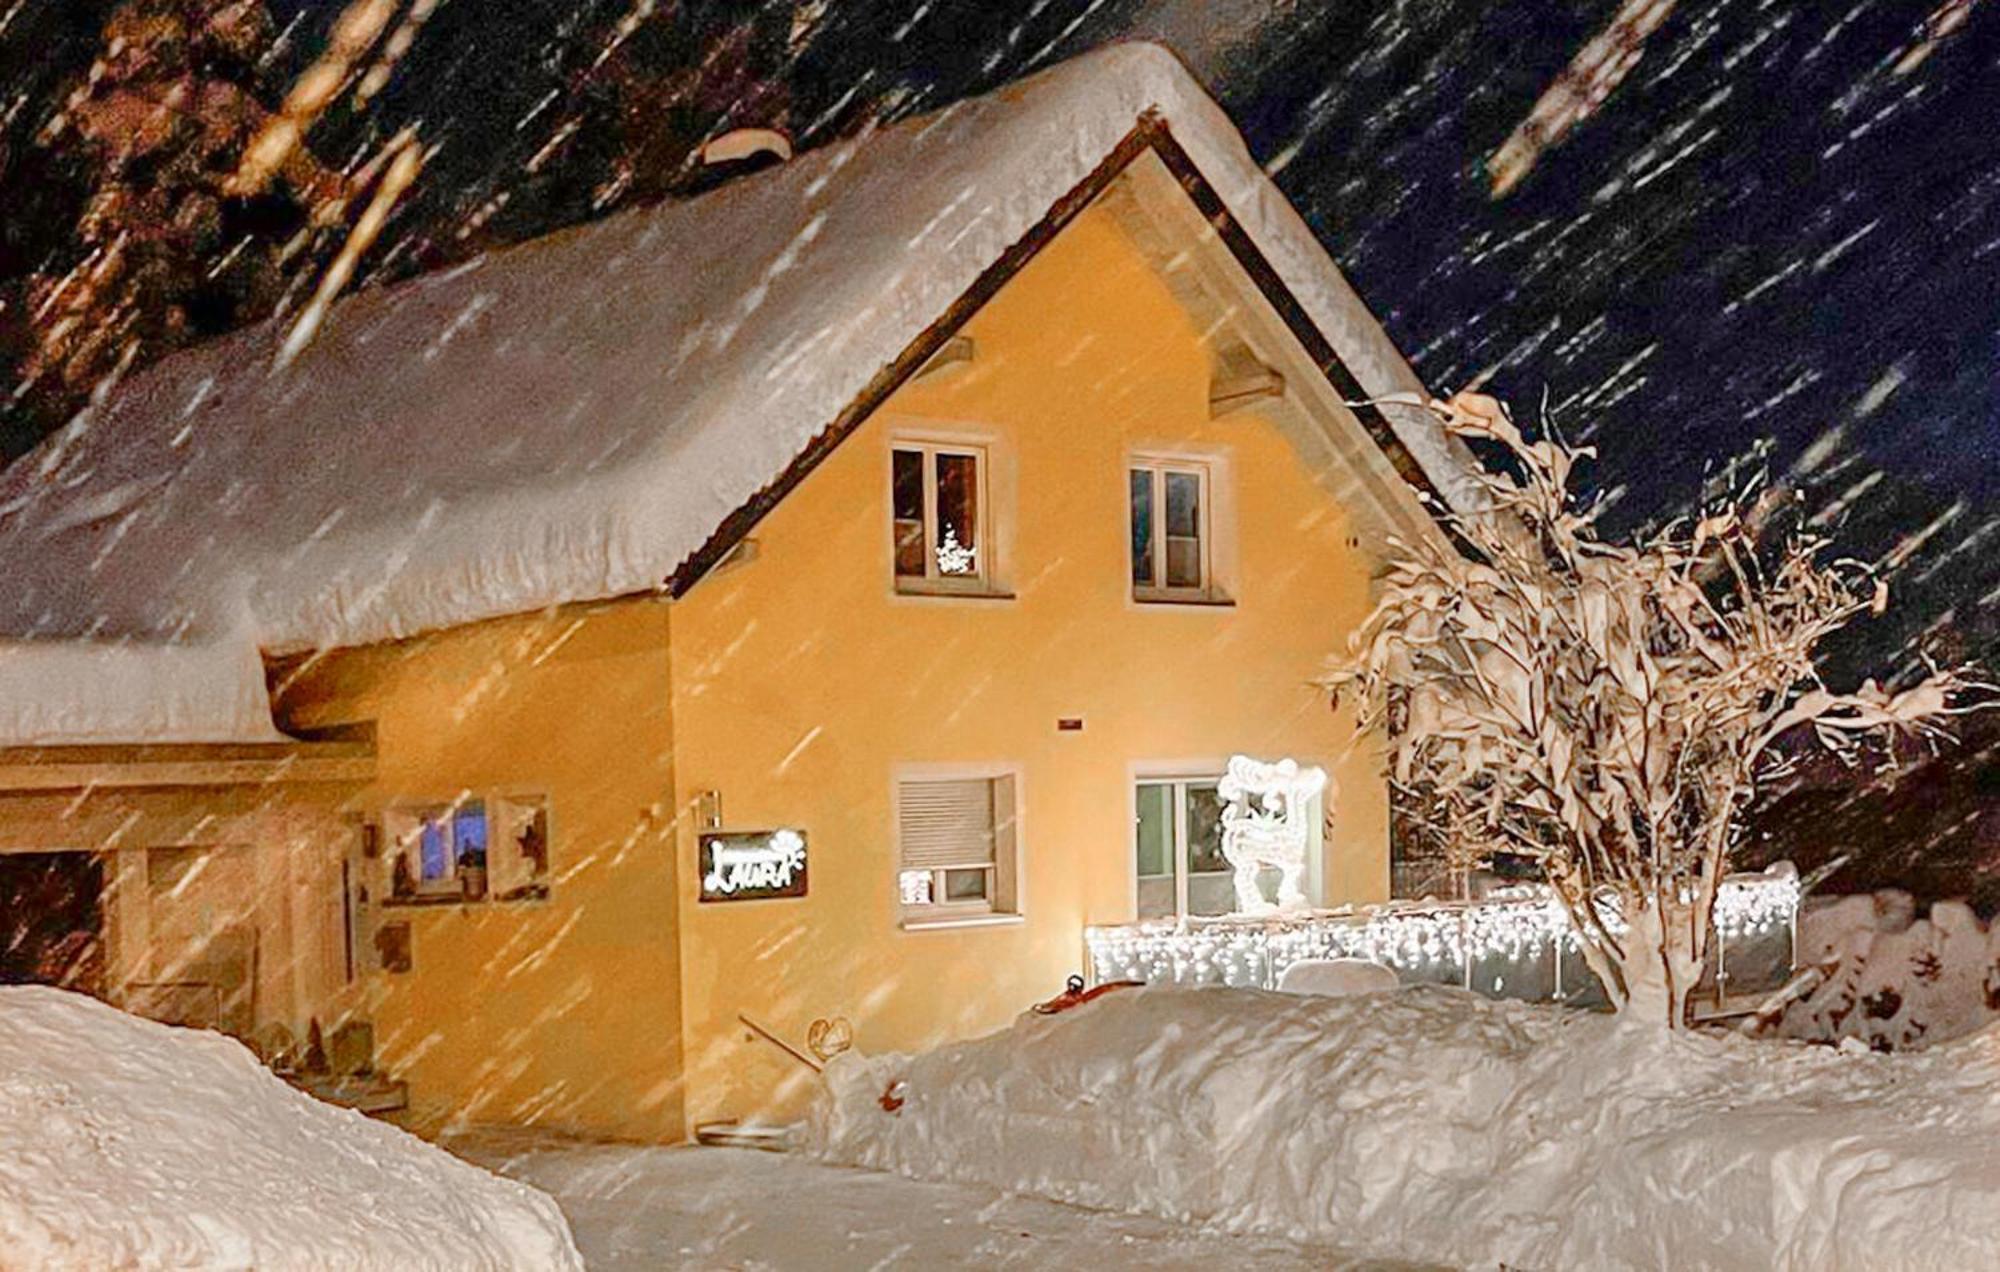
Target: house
{"x": 814, "y": 601}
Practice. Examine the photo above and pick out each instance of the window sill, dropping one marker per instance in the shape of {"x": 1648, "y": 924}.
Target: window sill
{"x": 928, "y": 592}
{"x": 1190, "y": 600}
{"x": 967, "y": 921}
{"x": 534, "y": 892}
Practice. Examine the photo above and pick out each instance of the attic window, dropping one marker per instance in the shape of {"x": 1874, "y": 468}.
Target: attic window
{"x": 1171, "y": 530}
{"x": 938, "y": 498}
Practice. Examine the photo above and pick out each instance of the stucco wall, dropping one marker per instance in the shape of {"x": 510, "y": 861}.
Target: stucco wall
{"x": 801, "y": 681}
{"x": 564, "y": 1011}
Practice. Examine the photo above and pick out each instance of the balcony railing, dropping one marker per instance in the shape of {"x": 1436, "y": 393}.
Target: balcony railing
{"x": 1517, "y": 943}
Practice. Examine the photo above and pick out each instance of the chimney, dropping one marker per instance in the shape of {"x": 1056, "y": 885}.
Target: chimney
{"x": 737, "y": 153}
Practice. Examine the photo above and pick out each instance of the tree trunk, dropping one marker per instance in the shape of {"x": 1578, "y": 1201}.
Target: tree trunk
{"x": 1661, "y": 964}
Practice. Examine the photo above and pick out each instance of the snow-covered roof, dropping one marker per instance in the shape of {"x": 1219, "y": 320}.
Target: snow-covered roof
{"x": 567, "y": 420}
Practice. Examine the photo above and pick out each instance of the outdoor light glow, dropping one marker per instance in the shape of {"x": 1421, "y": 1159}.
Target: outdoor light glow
{"x": 1266, "y": 821}
{"x": 1420, "y": 943}
{"x": 954, "y": 557}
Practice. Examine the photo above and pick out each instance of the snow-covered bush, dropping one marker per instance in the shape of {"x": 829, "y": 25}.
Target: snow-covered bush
{"x": 1606, "y": 710}
{"x": 1891, "y": 977}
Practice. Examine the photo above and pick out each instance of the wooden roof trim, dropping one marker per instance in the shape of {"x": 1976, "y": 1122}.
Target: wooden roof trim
{"x": 1297, "y": 321}
{"x": 1150, "y": 133}
{"x": 62, "y": 768}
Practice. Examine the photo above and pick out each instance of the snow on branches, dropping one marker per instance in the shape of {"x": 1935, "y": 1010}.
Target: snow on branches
{"x": 1608, "y": 710}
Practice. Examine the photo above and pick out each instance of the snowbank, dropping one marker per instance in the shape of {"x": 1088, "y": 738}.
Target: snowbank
{"x": 1895, "y": 980}
{"x": 1433, "y": 1124}
{"x": 129, "y": 1144}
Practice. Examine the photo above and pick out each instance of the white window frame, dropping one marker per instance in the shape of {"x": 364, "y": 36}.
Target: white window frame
{"x": 418, "y": 816}
{"x": 1177, "y": 850}
{"x": 1157, "y": 467}
{"x": 935, "y": 581}
{"x": 1002, "y": 902}
{"x": 402, "y": 830}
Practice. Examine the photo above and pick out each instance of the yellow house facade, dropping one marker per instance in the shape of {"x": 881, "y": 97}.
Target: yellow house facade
{"x": 948, "y": 673}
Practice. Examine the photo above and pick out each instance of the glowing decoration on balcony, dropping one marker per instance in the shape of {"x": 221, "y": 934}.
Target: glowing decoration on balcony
{"x": 954, "y": 558}
{"x": 1267, "y": 822}
{"x": 751, "y": 865}
{"x": 1434, "y": 943}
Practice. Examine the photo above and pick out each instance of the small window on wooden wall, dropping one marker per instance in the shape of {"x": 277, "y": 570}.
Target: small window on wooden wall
{"x": 478, "y": 848}
{"x": 940, "y": 506}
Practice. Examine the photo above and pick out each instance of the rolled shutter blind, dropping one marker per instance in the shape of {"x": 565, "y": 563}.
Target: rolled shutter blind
{"x": 947, "y": 823}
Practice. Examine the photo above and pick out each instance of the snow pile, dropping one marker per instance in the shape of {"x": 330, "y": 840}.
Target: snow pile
{"x": 572, "y": 419}
{"x": 1895, "y": 980}
{"x": 1432, "y": 1124}
{"x": 129, "y": 1144}
{"x": 87, "y": 691}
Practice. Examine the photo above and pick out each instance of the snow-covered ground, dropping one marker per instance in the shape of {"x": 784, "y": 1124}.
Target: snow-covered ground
{"x": 129, "y": 1144}
{"x": 638, "y": 1208}
{"x": 1434, "y": 1124}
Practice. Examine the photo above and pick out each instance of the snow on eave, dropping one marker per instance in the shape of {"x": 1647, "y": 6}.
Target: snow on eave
{"x": 578, "y": 417}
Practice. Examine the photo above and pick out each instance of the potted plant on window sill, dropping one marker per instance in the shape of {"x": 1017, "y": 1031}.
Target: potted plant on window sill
{"x": 472, "y": 875}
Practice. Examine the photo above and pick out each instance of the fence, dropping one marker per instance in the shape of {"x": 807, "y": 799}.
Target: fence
{"x": 1517, "y": 944}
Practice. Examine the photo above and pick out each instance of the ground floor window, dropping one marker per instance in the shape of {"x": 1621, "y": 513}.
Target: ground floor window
{"x": 474, "y": 849}
{"x": 955, "y": 847}
{"x": 1178, "y": 848}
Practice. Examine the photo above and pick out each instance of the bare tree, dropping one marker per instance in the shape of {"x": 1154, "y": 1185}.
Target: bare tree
{"x": 1608, "y": 710}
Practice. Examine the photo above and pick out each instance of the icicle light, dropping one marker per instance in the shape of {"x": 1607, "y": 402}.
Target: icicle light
{"x": 1429, "y": 943}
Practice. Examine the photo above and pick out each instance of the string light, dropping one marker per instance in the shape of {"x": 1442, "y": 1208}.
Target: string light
{"x": 1432, "y": 942}
{"x": 953, "y": 557}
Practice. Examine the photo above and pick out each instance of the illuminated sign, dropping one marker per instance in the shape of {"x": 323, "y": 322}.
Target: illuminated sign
{"x": 750, "y": 865}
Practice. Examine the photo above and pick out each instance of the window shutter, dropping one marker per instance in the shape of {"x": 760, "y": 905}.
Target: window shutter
{"x": 506, "y": 869}
{"x": 948, "y": 823}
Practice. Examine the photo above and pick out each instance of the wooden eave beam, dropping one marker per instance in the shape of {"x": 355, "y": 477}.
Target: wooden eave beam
{"x": 25, "y": 769}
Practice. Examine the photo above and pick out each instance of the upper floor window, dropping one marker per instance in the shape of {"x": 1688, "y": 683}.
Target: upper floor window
{"x": 1172, "y": 537}
{"x": 938, "y": 493}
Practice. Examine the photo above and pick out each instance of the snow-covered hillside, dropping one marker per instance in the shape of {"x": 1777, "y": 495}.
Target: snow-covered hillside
{"x": 129, "y": 1144}
{"x": 1433, "y": 1124}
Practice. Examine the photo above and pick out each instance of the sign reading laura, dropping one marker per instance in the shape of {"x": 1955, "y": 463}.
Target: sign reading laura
{"x": 752, "y": 864}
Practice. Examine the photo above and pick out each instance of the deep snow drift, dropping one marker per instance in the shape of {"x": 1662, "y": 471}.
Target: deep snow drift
{"x": 1434, "y": 1124}
{"x": 129, "y": 1144}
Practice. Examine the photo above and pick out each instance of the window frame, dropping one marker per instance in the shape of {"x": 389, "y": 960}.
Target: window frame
{"x": 1206, "y": 472}
{"x": 933, "y": 581}
{"x": 1177, "y": 851}
{"x": 445, "y": 817}
{"x": 1003, "y": 900}
{"x": 401, "y": 826}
